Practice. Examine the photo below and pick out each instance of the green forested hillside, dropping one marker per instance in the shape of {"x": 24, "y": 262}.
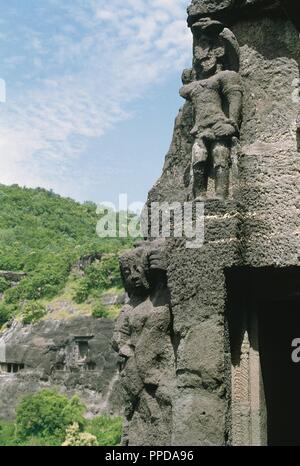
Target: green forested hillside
{"x": 44, "y": 235}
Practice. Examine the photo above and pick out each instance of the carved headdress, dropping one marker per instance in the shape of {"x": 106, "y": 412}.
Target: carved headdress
{"x": 134, "y": 268}
{"x": 216, "y": 31}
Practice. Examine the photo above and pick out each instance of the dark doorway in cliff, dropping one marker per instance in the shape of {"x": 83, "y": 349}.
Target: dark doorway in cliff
{"x": 11, "y": 368}
{"x": 263, "y": 322}
{"x": 279, "y": 326}
{"x": 83, "y": 347}
{"x": 91, "y": 366}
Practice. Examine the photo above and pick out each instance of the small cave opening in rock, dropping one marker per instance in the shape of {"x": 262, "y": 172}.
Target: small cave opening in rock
{"x": 91, "y": 366}
{"x": 11, "y": 368}
{"x": 263, "y": 322}
{"x": 60, "y": 367}
{"x": 298, "y": 139}
{"x": 83, "y": 347}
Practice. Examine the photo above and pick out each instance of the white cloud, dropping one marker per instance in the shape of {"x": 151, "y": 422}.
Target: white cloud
{"x": 81, "y": 75}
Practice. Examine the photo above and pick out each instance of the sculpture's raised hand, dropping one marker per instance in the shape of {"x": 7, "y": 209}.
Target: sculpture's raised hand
{"x": 222, "y": 130}
{"x": 158, "y": 259}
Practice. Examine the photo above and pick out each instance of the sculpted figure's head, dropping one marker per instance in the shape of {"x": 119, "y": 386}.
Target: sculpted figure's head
{"x": 215, "y": 48}
{"x": 208, "y": 49}
{"x": 135, "y": 272}
{"x": 188, "y": 76}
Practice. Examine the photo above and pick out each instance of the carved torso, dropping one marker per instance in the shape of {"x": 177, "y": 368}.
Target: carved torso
{"x": 209, "y": 98}
{"x": 147, "y": 329}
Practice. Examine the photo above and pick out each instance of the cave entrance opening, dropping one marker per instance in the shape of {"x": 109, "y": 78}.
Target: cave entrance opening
{"x": 82, "y": 349}
{"x": 279, "y": 326}
{"x": 11, "y": 368}
{"x": 263, "y": 322}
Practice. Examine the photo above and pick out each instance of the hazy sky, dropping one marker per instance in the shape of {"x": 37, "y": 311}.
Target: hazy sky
{"x": 92, "y": 93}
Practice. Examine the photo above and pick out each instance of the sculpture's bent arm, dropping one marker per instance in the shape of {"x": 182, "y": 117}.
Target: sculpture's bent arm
{"x": 235, "y": 101}
{"x": 185, "y": 92}
{"x": 121, "y": 335}
{"x": 232, "y": 89}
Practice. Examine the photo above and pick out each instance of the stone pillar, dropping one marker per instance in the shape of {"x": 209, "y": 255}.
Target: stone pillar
{"x": 198, "y": 300}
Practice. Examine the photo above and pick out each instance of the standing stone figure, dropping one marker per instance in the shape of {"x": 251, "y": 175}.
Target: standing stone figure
{"x": 143, "y": 340}
{"x": 214, "y": 88}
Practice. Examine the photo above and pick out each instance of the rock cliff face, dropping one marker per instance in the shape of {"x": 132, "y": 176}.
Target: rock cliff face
{"x": 250, "y": 256}
{"x": 13, "y": 277}
{"x": 73, "y": 355}
{"x": 231, "y": 10}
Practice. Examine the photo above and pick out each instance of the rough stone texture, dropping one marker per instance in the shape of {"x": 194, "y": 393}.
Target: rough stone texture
{"x": 269, "y": 163}
{"x": 144, "y": 342}
{"x": 12, "y": 276}
{"x": 113, "y": 299}
{"x": 210, "y": 7}
{"x": 235, "y": 10}
{"x": 84, "y": 262}
{"x": 256, "y": 229}
{"x": 215, "y": 89}
{"x": 198, "y": 297}
{"x": 50, "y": 355}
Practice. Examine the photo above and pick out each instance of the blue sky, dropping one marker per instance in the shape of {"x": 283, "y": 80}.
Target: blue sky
{"x": 92, "y": 93}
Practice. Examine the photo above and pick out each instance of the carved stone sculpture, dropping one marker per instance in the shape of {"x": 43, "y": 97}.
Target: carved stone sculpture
{"x": 144, "y": 343}
{"x": 215, "y": 89}
{"x": 209, "y": 383}
{"x": 231, "y": 10}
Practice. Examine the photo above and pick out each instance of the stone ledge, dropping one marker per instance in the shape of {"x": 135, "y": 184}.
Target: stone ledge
{"x": 230, "y": 10}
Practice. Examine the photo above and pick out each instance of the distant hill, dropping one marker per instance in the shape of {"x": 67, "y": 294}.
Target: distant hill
{"x": 45, "y": 235}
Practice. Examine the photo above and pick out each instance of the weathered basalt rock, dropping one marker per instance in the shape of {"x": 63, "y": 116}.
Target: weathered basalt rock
{"x": 73, "y": 355}
{"x": 217, "y": 292}
{"x": 212, "y": 7}
{"x": 232, "y": 11}
{"x": 12, "y": 276}
{"x": 144, "y": 342}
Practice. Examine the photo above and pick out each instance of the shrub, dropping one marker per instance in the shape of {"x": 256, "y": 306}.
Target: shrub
{"x": 7, "y": 434}
{"x": 82, "y": 292}
{"x": 48, "y": 414}
{"x": 100, "y": 431}
{"x": 47, "y": 280}
{"x": 99, "y": 276}
{"x": 7, "y": 312}
{"x": 75, "y": 438}
{"x": 4, "y": 285}
{"x": 104, "y": 274}
{"x": 100, "y": 311}
{"x": 43, "y": 235}
{"x": 33, "y": 312}
{"x": 107, "y": 430}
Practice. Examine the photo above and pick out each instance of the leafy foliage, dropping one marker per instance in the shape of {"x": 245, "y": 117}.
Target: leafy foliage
{"x": 44, "y": 235}
{"x": 99, "y": 276}
{"x": 48, "y": 414}
{"x": 7, "y": 312}
{"x": 48, "y": 418}
{"x": 4, "y": 285}
{"x": 100, "y": 311}
{"x": 75, "y": 438}
{"x": 107, "y": 430}
{"x": 7, "y": 434}
{"x": 33, "y": 312}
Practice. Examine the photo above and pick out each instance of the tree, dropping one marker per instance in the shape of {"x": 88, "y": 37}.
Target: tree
{"x": 48, "y": 414}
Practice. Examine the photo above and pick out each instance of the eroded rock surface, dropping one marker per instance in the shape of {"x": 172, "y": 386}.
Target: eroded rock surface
{"x": 251, "y": 237}
{"x": 73, "y": 355}
{"x": 145, "y": 345}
